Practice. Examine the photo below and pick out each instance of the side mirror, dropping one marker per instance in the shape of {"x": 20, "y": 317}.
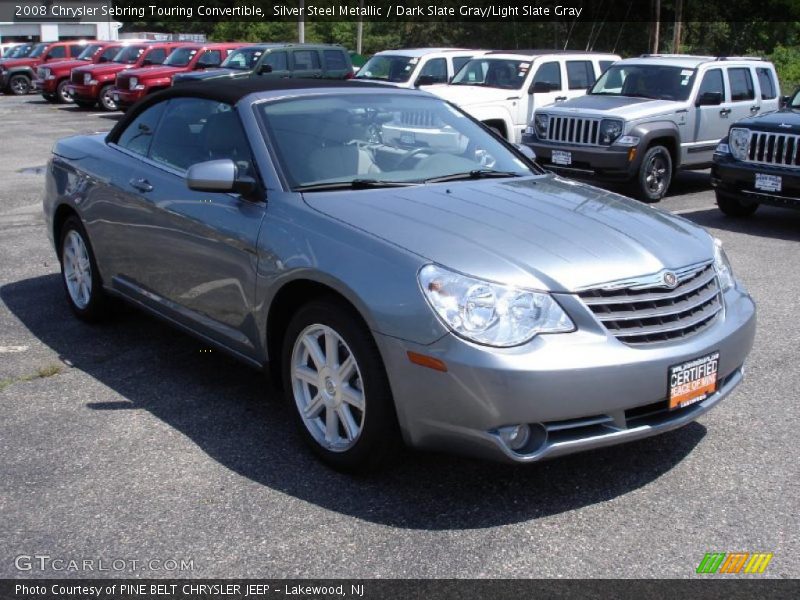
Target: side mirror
{"x": 264, "y": 69}
{"x": 709, "y": 99}
{"x": 425, "y": 80}
{"x": 785, "y": 100}
{"x": 219, "y": 176}
{"x": 526, "y": 151}
{"x": 542, "y": 87}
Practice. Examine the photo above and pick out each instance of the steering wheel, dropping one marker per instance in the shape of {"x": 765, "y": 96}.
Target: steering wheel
{"x": 411, "y": 155}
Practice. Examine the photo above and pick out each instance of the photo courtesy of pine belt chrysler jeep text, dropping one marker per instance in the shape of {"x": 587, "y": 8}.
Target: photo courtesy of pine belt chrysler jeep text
{"x": 449, "y": 295}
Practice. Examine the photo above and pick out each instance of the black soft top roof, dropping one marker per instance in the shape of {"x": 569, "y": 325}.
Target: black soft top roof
{"x": 232, "y": 91}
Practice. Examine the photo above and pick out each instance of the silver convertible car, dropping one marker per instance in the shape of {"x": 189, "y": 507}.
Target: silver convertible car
{"x": 406, "y": 275}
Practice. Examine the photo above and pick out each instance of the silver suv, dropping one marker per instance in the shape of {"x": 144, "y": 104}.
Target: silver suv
{"x": 647, "y": 117}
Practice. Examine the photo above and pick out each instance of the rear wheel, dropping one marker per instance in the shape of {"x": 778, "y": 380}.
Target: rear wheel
{"x": 79, "y": 273}
{"x": 655, "y": 174}
{"x": 735, "y": 207}
{"x": 333, "y": 373}
{"x": 19, "y": 85}
{"x": 62, "y": 97}
{"x": 107, "y": 98}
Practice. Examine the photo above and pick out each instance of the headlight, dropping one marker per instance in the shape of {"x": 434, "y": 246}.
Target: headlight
{"x": 540, "y": 124}
{"x": 133, "y": 82}
{"x": 722, "y": 148}
{"x": 44, "y": 73}
{"x": 628, "y": 140}
{"x": 490, "y": 313}
{"x": 87, "y": 77}
{"x": 610, "y": 130}
{"x": 722, "y": 266}
{"x": 739, "y": 143}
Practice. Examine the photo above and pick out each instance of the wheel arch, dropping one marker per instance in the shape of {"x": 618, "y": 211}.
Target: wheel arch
{"x": 660, "y": 134}
{"x": 60, "y": 216}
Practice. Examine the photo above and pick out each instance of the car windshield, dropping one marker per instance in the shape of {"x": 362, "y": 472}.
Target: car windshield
{"x": 20, "y": 51}
{"x": 499, "y": 73}
{"x": 129, "y": 55}
{"x": 397, "y": 69}
{"x": 646, "y": 81}
{"x": 37, "y": 51}
{"x": 244, "y": 59}
{"x": 795, "y": 102}
{"x": 372, "y": 140}
{"x": 180, "y": 57}
{"x": 89, "y": 51}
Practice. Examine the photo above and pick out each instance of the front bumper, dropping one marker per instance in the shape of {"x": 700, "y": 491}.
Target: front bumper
{"x": 85, "y": 93}
{"x": 127, "y": 98}
{"x": 44, "y": 86}
{"x": 3, "y": 80}
{"x": 736, "y": 178}
{"x": 584, "y": 389}
{"x": 607, "y": 162}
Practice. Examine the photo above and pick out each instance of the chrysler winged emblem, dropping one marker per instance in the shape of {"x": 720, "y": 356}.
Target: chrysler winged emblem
{"x": 670, "y": 279}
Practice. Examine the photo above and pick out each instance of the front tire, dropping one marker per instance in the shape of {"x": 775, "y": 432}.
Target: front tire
{"x": 107, "y": 99}
{"x": 19, "y": 85}
{"x": 333, "y": 374}
{"x": 735, "y": 207}
{"x": 79, "y": 273}
{"x": 655, "y": 174}
{"x": 62, "y": 97}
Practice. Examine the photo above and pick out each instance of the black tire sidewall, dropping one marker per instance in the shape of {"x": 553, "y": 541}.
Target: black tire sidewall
{"x": 380, "y": 438}
{"x": 100, "y": 97}
{"x": 62, "y": 85}
{"x": 642, "y": 191}
{"x": 11, "y": 85}
{"x": 95, "y": 310}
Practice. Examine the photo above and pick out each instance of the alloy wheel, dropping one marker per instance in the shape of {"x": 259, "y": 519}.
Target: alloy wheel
{"x": 77, "y": 269}
{"x": 656, "y": 172}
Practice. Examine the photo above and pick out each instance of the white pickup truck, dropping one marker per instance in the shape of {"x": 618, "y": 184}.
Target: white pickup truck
{"x": 502, "y": 88}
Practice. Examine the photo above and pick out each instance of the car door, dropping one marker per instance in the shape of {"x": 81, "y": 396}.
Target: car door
{"x": 56, "y": 52}
{"x": 336, "y": 64}
{"x": 305, "y": 64}
{"x": 432, "y": 71}
{"x": 580, "y": 76}
{"x": 743, "y": 93}
{"x": 711, "y": 122}
{"x": 550, "y": 73}
{"x": 195, "y": 257}
{"x": 209, "y": 59}
{"x": 457, "y": 62}
{"x": 278, "y": 63}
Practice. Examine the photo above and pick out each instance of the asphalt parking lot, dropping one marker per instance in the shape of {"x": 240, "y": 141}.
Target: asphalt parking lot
{"x": 128, "y": 441}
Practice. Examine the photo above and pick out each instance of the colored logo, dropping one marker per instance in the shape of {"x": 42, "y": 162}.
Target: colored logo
{"x": 734, "y": 562}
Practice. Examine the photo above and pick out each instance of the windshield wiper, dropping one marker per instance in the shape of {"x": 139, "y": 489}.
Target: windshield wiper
{"x": 476, "y": 174}
{"x": 353, "y": 184}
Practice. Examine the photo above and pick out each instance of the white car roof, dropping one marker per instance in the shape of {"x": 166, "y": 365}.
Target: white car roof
{"x": 689, "y": 62}
{"x": 420, "y": 52}
{"x": 532, "y": 55}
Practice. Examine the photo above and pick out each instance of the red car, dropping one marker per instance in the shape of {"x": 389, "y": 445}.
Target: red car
{"x": 16, "y": 74}
{"x": 52, "y": 79}
{"x": 91, "y": 84}
{"x": 134, "y": 84}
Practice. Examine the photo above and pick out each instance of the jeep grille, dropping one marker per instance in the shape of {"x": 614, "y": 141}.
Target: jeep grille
{"x": 573, "y": 130}
{"x": 774, "y": 148}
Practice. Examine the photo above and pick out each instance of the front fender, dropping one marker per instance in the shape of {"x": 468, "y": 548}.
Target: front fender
{"x": 654, "y": 130}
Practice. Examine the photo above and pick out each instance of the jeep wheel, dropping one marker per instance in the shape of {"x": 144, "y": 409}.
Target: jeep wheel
{"x": 62, "y": 97}
{"x": 655, "y": 174}
{"x": 107, "y": 98}
{"x": 19, "y": 85}
{"x": 735, "y": 207}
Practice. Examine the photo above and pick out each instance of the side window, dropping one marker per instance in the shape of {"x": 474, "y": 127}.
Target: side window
{"x": 741, "y": 84}
{"x": 458, "y": 62}
{"x": 276, "y": 60}
{"x": 210, "y": 58}
{"x": 305, "y": 60}
{"x": 157, "y": 56}
{"x": 549, "y": 72}
{"x": 334, "y": 60}
{"x": 604, "y": 64}
{"x": 108, "y": 54}
{"x": 712, "y": 82}
{"x": 58, "y": 52}
{"x": 194, "y": 130}
{"x": 580, "y": 74}
{"x": 139, "y": 134}
{"x": 767, "y": 84}
{"x": 436, "y": 68}
{"x": 76, "y": 50}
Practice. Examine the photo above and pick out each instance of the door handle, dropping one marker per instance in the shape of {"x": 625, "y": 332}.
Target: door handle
{"x": 725, "y": 112}
{"x": 141, "y": 184}
{"x": 755, "y": 109}
{"x": 560, "y": 98}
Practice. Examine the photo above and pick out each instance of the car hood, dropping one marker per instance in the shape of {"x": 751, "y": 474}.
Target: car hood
{"x": 471, "y": 95}
{"x": 786, "y": 120}
{"x": 154, "y": 71}
{"x": 538, "y": 232}
{"x": 67, "y": 64}
{"x": 214, "y": 74}
{"x": 613, "y": 106}
{"x": 103, "y": 68}
{"x": 10, "y": 63}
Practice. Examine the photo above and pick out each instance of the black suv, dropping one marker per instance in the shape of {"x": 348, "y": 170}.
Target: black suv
{"x": 759, "y": 162}
{"x": 276, "y": 61}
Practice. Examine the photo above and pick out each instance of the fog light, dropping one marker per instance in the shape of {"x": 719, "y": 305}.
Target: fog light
{"x": 515, "y": 436}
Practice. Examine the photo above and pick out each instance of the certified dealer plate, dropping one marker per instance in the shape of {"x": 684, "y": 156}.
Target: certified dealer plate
{"x": 693, "y": 381}
{"x": 559, "y": 157}
{"x": 768, "y": 183}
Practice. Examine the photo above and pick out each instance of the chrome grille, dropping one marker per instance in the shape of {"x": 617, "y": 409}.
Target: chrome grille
{"x": 76, "y": 77}
{"x": 646, "y": 311}
{"x": 123, "y": 82}
{"x": 573, "y": 130}
{"x": 774, "y": 148}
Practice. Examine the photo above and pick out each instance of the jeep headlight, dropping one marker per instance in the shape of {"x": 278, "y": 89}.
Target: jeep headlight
{"x": 44, "y": 73}
{"x": 133, "y": 82}
{"x": 87, "y": 78}
{"x": 540, "y": 126}
{"x": 723, "y": 266}
{"x": 739, "y": 143}
{"x": 490, "y": 313}
{"x": 610, "y": 130}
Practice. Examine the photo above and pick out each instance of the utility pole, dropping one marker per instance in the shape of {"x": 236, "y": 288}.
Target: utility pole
{"x": 656, "y": 26}
{"x": 676, "y": 34}
{"x": 360, "y": 28}
{"x": 301, "y": 24}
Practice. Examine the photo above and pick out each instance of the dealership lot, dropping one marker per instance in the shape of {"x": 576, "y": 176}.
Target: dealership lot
{"x": 132, "y": 442}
